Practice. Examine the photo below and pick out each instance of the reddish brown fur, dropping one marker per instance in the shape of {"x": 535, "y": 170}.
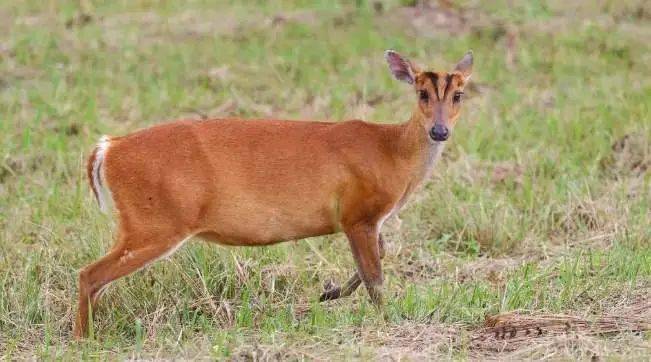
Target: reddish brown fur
{"x": 259, "y": 182}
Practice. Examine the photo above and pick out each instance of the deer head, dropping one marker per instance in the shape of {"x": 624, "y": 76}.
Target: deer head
{"x": 439, "y": 94}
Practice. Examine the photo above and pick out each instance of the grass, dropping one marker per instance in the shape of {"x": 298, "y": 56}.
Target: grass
{"x": 540, "y": 204}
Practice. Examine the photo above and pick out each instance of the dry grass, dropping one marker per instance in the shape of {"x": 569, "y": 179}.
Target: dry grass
{"x": 513, "y": 331}
{"x": 516, "y": 335}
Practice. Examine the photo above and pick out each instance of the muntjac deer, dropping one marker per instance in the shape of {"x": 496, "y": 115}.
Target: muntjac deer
{"x": 260, "y": 182}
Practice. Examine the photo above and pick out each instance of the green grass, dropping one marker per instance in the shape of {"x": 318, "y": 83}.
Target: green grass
{"x": 532, "y": 207}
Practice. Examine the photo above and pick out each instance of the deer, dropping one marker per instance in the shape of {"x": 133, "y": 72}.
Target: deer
{"x": 259, "y": 182}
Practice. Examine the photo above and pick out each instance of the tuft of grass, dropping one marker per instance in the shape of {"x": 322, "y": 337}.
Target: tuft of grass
{"x": 539, "y": 205}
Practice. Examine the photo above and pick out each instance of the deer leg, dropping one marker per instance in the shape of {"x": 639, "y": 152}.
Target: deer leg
{"x": 340, "y": 292}
{"x": 365, "y": 245}
{"x": 353, "y": 282}
{"x": 380, "y": 243}
{"x": 128, "y": 256}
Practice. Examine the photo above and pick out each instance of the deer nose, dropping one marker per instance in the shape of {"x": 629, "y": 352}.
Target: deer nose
{"x": 439, "y": 132}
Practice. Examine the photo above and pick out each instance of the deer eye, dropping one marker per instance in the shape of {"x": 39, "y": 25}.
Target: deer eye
{"x": 423, "y": 95}
{"x": 457, "y": 97}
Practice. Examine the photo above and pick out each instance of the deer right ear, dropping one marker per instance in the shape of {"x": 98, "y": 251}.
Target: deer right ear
{"x": 401, "y": 68}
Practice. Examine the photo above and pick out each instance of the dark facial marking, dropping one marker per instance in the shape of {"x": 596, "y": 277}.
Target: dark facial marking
{"x": 448, "y": 84}
{"x": 433, "y": 77}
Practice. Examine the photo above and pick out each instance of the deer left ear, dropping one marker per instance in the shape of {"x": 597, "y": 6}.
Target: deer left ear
{"x": 465, "y": 65}
{"x": 401, "y": 68}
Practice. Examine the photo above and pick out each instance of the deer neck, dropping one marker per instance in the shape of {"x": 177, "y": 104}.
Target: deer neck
{"x": 417, "y": 149}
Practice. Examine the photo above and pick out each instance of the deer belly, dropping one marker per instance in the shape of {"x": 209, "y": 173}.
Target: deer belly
{"x": 254, "y": 224}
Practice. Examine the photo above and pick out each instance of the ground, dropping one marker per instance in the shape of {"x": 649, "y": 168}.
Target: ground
{"x": 531, "y": 240}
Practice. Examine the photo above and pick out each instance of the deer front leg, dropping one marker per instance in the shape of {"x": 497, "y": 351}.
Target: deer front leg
{"x": 353, "y": 282}
{"x": 365, "y": 244}
{"x": 340, "y": 292}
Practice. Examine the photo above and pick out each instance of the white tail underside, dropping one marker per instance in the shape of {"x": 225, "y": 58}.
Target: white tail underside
{"x": 99, "y": 180}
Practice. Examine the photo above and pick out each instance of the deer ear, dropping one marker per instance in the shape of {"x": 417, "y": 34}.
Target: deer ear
{"x": 402, "y": 69}
{"x": 465, "y": 65}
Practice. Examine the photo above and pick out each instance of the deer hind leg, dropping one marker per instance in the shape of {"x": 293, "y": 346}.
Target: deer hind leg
{"x": 132, "y": 252}
{"x": 353, "y": 282}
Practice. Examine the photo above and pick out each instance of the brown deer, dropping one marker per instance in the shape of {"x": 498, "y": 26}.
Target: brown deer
{"x": 260, "y": 182}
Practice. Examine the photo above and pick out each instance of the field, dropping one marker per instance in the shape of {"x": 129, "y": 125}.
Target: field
{"x": 531, "y": 240}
